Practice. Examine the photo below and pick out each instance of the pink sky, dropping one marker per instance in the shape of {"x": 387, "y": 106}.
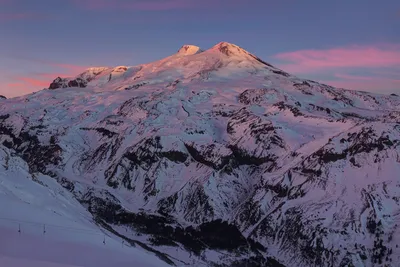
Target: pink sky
{"x": 379, "y": 64}
{"x": 25, "y": 84}
{"x": 335, "y": 42}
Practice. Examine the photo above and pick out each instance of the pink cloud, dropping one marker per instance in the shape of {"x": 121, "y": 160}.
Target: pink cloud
{"x": 45, "y": 78}
{"x": 67, "y": 68}
{"x": 13, "y": 89}
{"x": 307, "y": 61}
{"x": 34, "y": 82}
{"x": 151, "y": 5}
{"x": 27, "y": 84}
{"x": 379, "y": 65}
{"x": 4, "y": 17}
{"x": 24, "y": 84}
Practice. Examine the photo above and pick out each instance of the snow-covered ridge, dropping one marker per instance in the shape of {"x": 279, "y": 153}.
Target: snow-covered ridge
{"x": 217, "y": 156}
{"x": 190, "y": 62}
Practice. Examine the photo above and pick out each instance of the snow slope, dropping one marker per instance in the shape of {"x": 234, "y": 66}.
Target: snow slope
{"x": 55, "y": 229}
{"x": 215, "y": 156}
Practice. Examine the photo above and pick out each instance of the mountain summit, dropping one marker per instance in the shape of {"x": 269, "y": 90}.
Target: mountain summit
{"x": 217, "y": 157}
{"x": 229, "y": 49}
{"x": 223, "y": 60}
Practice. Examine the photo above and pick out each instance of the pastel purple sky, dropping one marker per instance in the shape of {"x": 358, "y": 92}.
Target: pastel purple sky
{"x": 346, "y": 43}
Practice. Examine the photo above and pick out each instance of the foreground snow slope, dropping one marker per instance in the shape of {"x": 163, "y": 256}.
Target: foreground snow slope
{"x": 41, "y": 224}
{"x": 216, "y": 156}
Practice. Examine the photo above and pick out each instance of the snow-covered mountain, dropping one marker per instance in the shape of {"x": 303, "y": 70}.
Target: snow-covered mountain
{"x": 217, "y": 157}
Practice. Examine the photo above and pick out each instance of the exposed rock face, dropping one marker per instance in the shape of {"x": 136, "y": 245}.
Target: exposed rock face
{"x": 59, "y": 83}
{"x": 64, "y": 83}
{"x": 224, "y": 156}
{"x": 189, "y": 50}
{"x": 91, "y": 74}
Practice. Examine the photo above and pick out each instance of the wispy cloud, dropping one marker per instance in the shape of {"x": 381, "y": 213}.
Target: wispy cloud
{"x": 306, "y": 61}
{"x": 30, "y": 82}
{"x": 378, "y": 65}
{"x": 14, "y": 15}
{"x": 150, "y": 5}
{"x": 64, "y": 67}
{"x": 34, "y": 82}
{"x": 154, "y": 5}
{"x": 45, "y": 78}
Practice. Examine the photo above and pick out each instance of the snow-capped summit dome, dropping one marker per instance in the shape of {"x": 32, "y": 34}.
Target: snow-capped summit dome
{"x": 235, "y": 52}
{"x": 189, "y": 50}
{"x": 229, "y": 49}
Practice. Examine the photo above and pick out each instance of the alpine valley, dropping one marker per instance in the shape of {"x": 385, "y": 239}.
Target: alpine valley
{"x": 217, "y": 158}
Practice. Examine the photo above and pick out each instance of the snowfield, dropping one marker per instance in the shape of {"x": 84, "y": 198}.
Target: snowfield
{"x": 204, "y": 157}
{"x": 41, "y": 224}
